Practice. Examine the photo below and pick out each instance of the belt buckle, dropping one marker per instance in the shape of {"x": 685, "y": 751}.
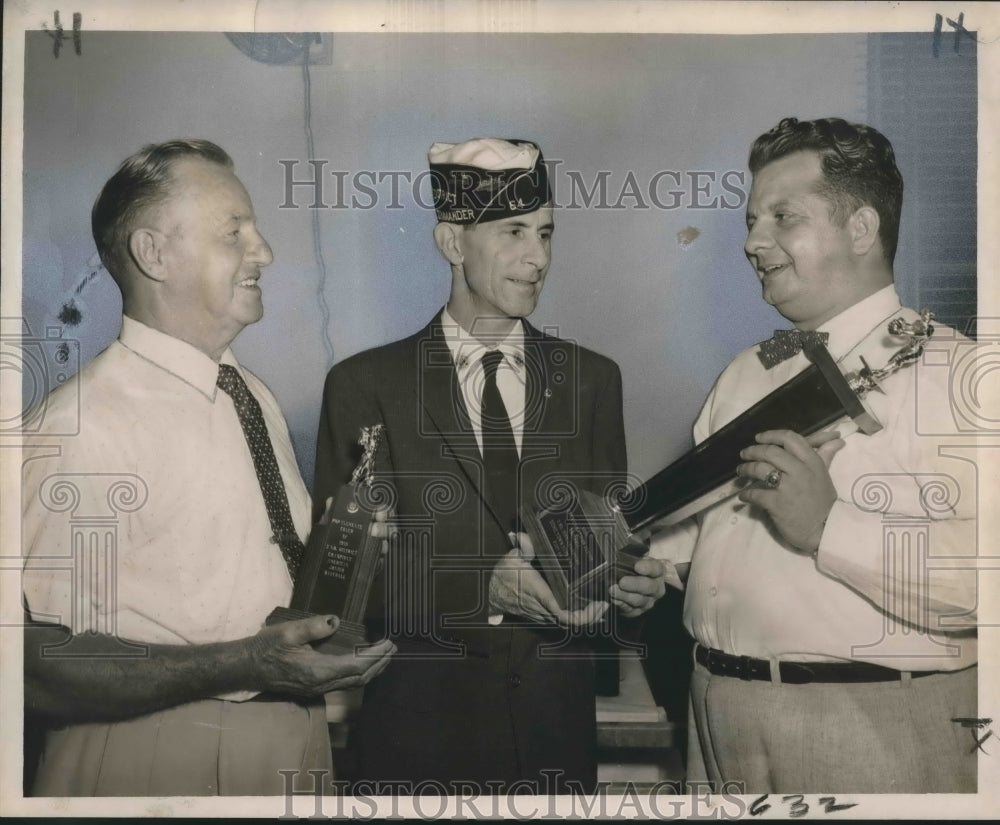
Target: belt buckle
{"x": 796, "y": 673}
{"x": 743, "y": 669}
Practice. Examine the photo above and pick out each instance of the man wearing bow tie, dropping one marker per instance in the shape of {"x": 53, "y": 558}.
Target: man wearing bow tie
{"x": 160, "y": 535}
{"x": 493, "y": 688}
{"x": 833, "y": 652}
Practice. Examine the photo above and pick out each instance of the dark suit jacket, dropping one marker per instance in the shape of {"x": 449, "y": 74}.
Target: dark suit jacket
{"x": 463, "y": 700}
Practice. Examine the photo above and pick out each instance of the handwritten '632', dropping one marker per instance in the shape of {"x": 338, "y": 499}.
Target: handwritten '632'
{"x": 797, "y": 806}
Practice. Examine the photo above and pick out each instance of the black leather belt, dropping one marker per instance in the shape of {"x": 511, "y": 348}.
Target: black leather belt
{"x": 304, "y": 701}
{"x": 798, "y": 673}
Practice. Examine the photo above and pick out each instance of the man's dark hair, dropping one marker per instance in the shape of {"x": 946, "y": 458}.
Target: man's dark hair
{"x": 859, "y": 168}
{"x": 142, "y": 180}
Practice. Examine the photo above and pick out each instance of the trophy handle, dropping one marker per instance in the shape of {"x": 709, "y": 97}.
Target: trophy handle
{"x": 917, "y": 334}
{"x": 851, "y": 400}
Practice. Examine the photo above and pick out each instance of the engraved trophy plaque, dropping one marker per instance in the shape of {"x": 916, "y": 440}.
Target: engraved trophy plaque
{"x": 583, "y": 546}
{"x": 582, "y": 542}
{"x": 341, "y": 558}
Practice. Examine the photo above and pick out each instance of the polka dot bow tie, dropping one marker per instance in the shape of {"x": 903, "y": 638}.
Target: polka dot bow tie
{"x": 786, "y": 343}
{"x": 266, "y": 465}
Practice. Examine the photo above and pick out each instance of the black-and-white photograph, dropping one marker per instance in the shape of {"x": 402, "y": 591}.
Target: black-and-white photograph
{"x": 548, "y": 410}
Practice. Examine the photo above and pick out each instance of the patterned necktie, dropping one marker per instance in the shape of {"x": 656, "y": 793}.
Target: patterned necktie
{"x": 266, "y": 465}
{"x": 499, "y": 449}
{"x": 786, "y": 343}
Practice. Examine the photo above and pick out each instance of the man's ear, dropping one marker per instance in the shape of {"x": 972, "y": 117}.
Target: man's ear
{"x": 447, "y": 236}
{"x": 864, "y": 225}
{"x": 146, "y": 248}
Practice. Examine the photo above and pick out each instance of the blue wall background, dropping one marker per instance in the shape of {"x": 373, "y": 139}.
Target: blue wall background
{"x": 671, "y": 310}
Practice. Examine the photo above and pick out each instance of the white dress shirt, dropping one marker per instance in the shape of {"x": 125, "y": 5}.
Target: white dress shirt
{"x": 467, "y": 352}
{"x": 149, "y": 522}
{"x": 749, "y": 593}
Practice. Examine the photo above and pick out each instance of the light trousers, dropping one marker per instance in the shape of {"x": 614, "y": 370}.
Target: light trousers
{"x": 874, "y": 737}
{"x": 209, "y": 747}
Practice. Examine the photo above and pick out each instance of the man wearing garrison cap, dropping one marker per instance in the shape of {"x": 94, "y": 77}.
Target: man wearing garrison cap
{"x": 493, "y": 684}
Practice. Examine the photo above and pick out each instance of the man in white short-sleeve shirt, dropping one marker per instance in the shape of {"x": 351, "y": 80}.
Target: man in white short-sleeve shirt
{"x": 159, "y": 536}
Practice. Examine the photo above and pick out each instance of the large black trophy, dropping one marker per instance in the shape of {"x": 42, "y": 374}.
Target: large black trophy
{"x": 341, "y": 558}
{"x": 587, "y": 542}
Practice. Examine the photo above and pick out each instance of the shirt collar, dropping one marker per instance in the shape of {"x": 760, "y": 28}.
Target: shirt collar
{"x": 467, "y": 350}
{"x": 855, "y": 323}
{"x": 177, "y": 357}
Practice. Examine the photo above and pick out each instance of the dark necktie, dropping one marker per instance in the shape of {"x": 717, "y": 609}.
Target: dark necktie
{"x": 499, "y": 449}
{"x": 266, "y": 465}
{"x": 786, "y": 343}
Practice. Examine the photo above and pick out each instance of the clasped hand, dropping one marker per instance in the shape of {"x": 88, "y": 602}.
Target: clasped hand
{"x": 800, "y": 504}
{"x": 284, "y": 660}
{"x": 518, "y": 588}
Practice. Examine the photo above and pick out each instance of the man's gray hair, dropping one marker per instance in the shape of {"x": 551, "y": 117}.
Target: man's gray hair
{"x": 142, "y": 180}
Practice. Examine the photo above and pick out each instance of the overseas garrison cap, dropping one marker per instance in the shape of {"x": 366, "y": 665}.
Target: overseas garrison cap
{"x": 486, "y": 179}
